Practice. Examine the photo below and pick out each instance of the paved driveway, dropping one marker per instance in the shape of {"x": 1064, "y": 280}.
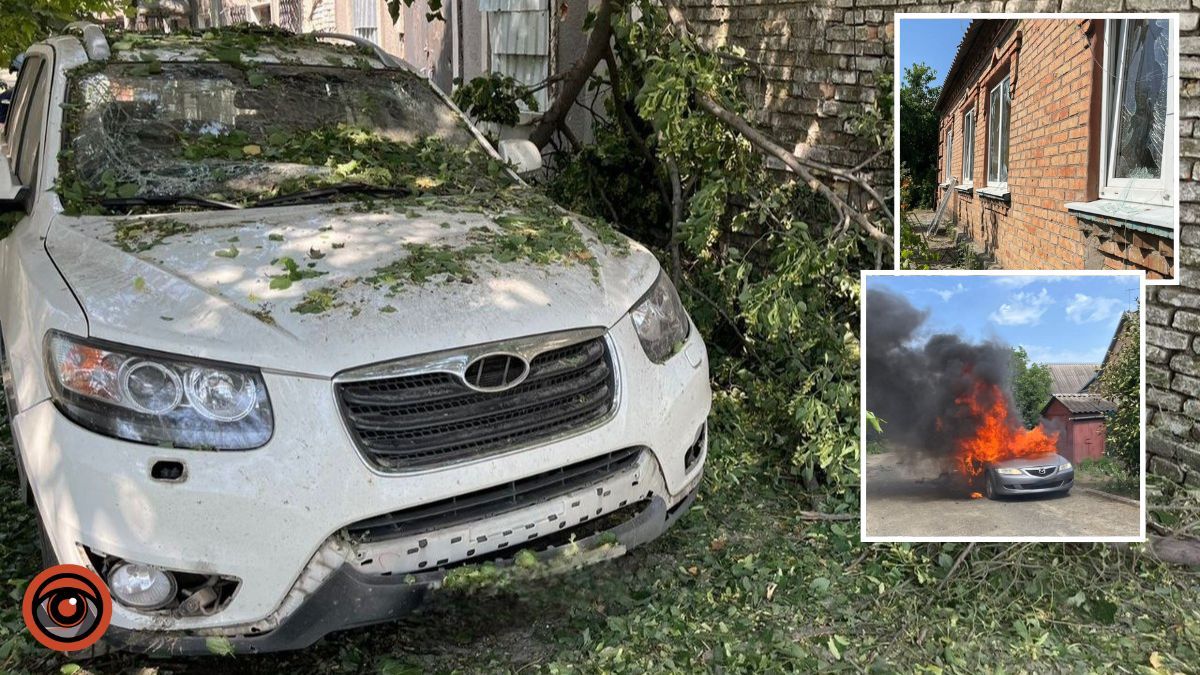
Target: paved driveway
{"x": 904, "y": 502}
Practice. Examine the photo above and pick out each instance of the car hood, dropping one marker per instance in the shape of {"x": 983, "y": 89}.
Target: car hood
{"x": 200, "y": 284}
{"x": 1026, "y": 462}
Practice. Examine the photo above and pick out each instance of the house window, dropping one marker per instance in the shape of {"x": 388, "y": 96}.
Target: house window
{"x": 997, "y": 151}
{"x": 518, "y": 42}
{"x": 949, "y": 150}
{"x": 1137, "y": 149}
{"x": 366, "y": 19}
{"x": 968, "y": 158}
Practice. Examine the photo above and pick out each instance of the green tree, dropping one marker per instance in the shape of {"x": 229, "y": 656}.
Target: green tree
{"x": 24, "y": 23}
{"x": 919, "y": 133}
{"x": 1031, "y": 386}
{"x": 1120, "y": 382}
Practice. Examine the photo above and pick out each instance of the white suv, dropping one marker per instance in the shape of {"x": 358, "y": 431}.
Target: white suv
{"x": 284, "y": 341}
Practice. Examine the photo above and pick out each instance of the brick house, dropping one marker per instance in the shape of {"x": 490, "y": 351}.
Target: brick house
{"x": 1053, "y": 163}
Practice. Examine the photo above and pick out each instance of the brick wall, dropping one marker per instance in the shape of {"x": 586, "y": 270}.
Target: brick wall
{"x": 1053, "y": 68}
{"x": 821, "y": 63}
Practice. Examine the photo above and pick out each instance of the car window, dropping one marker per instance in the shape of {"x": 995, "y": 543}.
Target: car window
{"x": 26, "y": 81}
{"x": 29, "y": 155}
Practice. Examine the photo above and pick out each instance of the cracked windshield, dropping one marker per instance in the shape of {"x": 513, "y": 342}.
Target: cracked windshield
{"x": 157, "y": 136}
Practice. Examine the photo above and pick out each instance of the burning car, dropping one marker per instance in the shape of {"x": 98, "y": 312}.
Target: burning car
{"x": 286, "y": 341}
{"x": 1028, "y": 476}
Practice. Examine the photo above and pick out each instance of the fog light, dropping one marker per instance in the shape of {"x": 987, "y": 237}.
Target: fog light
{"x": 141, "y": 586}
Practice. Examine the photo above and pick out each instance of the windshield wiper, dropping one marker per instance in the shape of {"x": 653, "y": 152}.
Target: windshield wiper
{"x": 333, "y": 191}
{"x": 166, "y": 200}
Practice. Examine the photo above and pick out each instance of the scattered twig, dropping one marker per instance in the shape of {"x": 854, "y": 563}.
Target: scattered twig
{"x": 957, "y": 561}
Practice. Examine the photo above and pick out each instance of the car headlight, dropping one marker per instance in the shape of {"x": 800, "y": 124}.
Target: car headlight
{"x": 1066, "y": 466}
{"x": 1009, "y": 472}
{"x": 660, "y": 320}
{"x": 156, "y": 399}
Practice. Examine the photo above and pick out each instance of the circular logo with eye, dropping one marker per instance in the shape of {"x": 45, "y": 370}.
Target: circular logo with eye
{"x": 67, "y": 608}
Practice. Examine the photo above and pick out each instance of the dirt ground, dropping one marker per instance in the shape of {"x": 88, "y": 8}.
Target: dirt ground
{"x": 906, "y": 501}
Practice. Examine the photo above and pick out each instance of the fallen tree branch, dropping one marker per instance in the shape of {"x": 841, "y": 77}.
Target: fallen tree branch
{"x": 1175, "y": 550}
{"x": 957, "y": 561}
{"x": 800, "y": 166}
{"x": 574, "y": 79}
{"x": 820, "y": 515}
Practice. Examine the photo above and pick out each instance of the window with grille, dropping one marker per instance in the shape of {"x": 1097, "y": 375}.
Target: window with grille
{"x": 366, "y": 19}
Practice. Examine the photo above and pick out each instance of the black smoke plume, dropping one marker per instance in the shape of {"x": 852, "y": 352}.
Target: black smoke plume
{"x": 913, "y": 386}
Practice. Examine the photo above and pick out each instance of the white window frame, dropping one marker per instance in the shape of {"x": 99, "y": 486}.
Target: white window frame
{"x": 968, "y": 143}
{"x": 1158, "y": 191}
{"x": 950, "y": 151}
{"x": 1002, "y": 132}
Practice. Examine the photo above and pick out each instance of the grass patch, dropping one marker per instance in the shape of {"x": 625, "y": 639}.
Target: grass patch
{"x": 1109, "y": 476}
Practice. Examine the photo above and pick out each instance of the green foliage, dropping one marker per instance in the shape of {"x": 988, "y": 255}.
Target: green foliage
{"x": 9, "y": 220}
{"x": 914, "y": 251}
{"x": 918, "y": 134}
{"x": 1031, "y": 386}
{"x": 493, "y": 97}
{"x": 25, "y": 23}
{"x": 1120, "y": 383}
{"x": 749, "y": 244}
{"x": 434, "y": 13}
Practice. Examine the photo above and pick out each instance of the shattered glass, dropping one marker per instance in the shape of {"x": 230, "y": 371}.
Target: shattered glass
{"x": 1141, "y": 98}
{"x": 129, "y": 129}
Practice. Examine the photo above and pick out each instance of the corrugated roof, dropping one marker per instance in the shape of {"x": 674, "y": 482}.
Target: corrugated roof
{"x": 1084, "y": 403}
{"x": 967, "y": 38}
{"x": 1071, "y": 378}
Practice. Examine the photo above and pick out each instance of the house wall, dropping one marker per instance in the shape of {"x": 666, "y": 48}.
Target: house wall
{"x": 821, "y": 66}
{"x": 1054, "y": 151}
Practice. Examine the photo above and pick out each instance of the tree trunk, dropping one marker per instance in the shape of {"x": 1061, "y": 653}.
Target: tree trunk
{"x": 577, "y": 76}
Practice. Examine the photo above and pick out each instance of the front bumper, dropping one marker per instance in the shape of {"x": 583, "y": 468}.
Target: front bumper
{"x": 1031, "y": 485}
{"x": 262, "y": 516}
{"x": 349, "y": 598}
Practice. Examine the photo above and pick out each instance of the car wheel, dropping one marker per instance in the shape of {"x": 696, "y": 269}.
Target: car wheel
{"x": 989, "y": 489}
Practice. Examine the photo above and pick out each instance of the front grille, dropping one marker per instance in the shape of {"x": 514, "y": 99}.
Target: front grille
{"x": 1040, "y": 471}
{"x": 1040, "y": 485}
{"x": 417, "y": 421}
{"x": 496, "y": 500}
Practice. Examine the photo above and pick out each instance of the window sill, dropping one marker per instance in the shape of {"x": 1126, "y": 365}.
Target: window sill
{"x": 998, "y": 193}
{"x": 1155, "y": 219}
{"x": 966, "y": 188}
{"x": 945, "y": 184}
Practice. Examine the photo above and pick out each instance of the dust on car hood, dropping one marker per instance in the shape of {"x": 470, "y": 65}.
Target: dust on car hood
{"x": 319, "y": 289}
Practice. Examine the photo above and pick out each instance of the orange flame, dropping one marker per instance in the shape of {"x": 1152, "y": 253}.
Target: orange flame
{"x": 998, "y": 436}
{"x": 976, "y": 495}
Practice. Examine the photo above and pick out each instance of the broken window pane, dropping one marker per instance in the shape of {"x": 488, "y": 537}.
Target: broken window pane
{"x": 968, "y": 169}
{"x": 1140, "y": 103}
{"x": 998, "y": 112}
{"x": 212, "y": 129}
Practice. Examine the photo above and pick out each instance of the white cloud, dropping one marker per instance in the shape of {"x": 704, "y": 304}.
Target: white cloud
{"x": 945, "y": 295}
{"x": 1023, "y": 309}
{"x": 1088, "y": 309}
{"x": 1021, "y": 281}
{"x": 1042, "y": 354}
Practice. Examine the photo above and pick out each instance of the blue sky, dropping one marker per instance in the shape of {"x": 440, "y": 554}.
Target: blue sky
{"x": 1057, "y": 319}
{"x": 931, "y": 41}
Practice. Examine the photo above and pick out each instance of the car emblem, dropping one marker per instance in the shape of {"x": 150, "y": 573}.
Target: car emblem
{"x": 495, "y": 372}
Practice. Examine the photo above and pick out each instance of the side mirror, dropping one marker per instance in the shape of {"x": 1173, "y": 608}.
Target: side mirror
{"x": 521, "y": 153}
{"x": 11, "y": 190}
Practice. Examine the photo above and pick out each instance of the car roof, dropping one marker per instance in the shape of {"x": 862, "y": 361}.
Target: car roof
{"x": 246, "y": 44}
